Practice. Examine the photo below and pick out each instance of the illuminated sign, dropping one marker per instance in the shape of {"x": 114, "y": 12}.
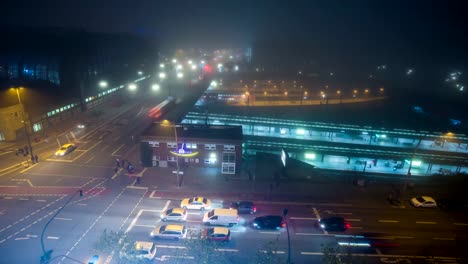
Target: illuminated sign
{"x": 182, "y": 152}
{"x": 284, "y": 157}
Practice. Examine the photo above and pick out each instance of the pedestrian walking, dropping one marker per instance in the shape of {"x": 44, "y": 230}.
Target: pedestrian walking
{"x": 36, "y": 158}
{"x": 117, "y": 162}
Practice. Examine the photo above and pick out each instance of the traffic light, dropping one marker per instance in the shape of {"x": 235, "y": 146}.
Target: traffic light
{"x": 285, "y": 211}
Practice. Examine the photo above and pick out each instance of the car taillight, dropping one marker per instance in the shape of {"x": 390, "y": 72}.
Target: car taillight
{"x": 347, "y": 225}
{"x": 255, "y": 209}
{"x": 283, "y": 224}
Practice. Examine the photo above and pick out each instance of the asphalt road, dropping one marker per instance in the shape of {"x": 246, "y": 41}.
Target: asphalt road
{"x": 113, "y": 201}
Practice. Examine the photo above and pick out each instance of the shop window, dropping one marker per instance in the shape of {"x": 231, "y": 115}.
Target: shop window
{"x": 171, "y": 145}
{"x": 171, "y": 158}
{"x": 191, "y": 145}
{"x": 156, "y": 158}
{"x": 37, "y": 127}
{"x": 229, "y": 157}
{"x": 154, "y": 144}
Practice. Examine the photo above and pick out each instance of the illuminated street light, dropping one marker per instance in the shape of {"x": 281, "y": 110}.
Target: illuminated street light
{"x": 155, "y": 87}
{"x": 190, "y": 62}
{"x": 162, "y": 75}
{"x": 179, "y": 67}
{"x": 161, "y": 66}
{"x": 140, "y": 73}
{"x": 180, "y": 75}
{"x": 132, "y": 87}
{"x": 202, "y": 62}
{"x": 103, "y": 84}
{"x": 236, "y": 68}
{"x": 194, "y": 67}
{"x": 174, "y": 61}
{"x": 214, "y": 83}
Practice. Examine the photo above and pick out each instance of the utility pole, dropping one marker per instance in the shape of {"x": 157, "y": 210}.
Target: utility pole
{"x": 177, "y": 157}
{"x": 26, "y": 130}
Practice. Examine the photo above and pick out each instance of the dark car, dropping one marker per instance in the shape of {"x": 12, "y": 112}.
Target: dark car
{"x": 334, "y": 223}
{"x": 452, "y": 204}
{"x": 244, "y": 207}
{"x": 269, "y": 222}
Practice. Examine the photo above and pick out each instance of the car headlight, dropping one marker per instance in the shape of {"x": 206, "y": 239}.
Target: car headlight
{"x": 151, "y": 234}
{"x": 255, "y": 224}
{"x": 322, "y": 225}
{"x": 162, "y": 216}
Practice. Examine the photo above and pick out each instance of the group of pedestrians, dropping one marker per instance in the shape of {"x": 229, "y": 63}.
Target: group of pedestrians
{"x": 121, "y": 164}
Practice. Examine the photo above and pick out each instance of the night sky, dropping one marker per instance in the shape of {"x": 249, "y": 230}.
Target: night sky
{"x": 416, "y": 28}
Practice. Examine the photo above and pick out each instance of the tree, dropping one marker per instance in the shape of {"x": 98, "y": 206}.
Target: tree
{"x": 108, "y": 241}
{"x": 334, "y": 254}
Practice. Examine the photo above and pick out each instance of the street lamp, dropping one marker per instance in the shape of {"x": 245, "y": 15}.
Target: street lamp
{"x": 103, "y": 84}
{"x": 180, "y": 75}
{"x": 24, "y": 122}
{"x": 162, "y": 75}
{"x": 167, "y": 123}
{"x": 155, "y": 87}
{"x": 132, "y": 87}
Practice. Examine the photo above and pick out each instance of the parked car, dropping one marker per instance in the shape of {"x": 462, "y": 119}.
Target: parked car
{"x": 269, "y": 222}
{"x": 219, "y": 234}
{"x": 244, "y": 207}
{"x": 221, "y": 216}
{"x": 172, "y": 232}
{"x": 423, "y": 201}
{"x": 65, "y": 149}
{"x": 197, "y": 203}
{"x": 140, "y": 250}
{"x": 174, "y": 214}
{"x": 335, "y": 223}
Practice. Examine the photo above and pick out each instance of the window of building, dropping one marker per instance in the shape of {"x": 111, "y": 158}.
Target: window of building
{"x": 154, "y": 144}
{"x": 229, "y": 157}
{"x": 191, "y": 145}
{"x": 156, "y": 158}
{"x": 37, "y": 127}
{"x": 12, "y": 71}
{"x": 28, "y": 71}
{"x": 171, "y": 145}
{"x": 229, "y": 147}
{"x": 210, "y": 146}
{"x": 41, "y": 72}
{"x": 228, "y": 169}
{"x": 171, "y": 158}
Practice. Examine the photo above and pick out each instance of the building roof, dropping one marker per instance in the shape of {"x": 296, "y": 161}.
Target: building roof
{"x": 187, "y": 131}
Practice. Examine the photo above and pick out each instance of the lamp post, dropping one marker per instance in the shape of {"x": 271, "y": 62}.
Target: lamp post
{"x": 24, "y": 123}
{"x": 167, "y": 123}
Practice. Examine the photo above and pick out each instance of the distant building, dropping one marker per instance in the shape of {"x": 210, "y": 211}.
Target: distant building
{"x": 60, "y": 68}
{"x": 197, "y": 145}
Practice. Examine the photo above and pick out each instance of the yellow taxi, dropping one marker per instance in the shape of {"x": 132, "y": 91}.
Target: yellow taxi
{"x": 138, "y": 251}
{"x": 65, "y": 149}
{"x": 173, "y": 232}
{"x": 197, "y": 203}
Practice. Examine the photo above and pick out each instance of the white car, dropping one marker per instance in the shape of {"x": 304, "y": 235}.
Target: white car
{"x": 172, "y": 232}
{"x": 423, "y": 201}
{"x": 197, "y": 203}
{"x": 138, "y": 251}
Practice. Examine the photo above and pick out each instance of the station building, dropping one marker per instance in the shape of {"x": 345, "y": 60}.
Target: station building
{"x": 184, "y": 145}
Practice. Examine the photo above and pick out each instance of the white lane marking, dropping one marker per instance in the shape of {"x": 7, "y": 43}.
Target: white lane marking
{"x": 23, "y": 199}
{"x": 113, "y": 153}
{"x": 170, "y": 246}
{"x": 353, "y": 220}
{"x": 227, "y": 249}
{"x": 443, "y": 238}
{"x": 427, "y": 223}
{"x": 62, "y": 218}
{"x": 270, "y": 232}
{"x": 8, "y": 198}
{"x": 317, "y": 215}
{"x": 117, "y": 173}
{"x": 34, "y": 236}
{"x": 31, "y": 214}
{"x": 6, "y": 152}
{"x": 21, "y": 238}
{"x": 388, "y": 256}
{"x": 93, "y": 224}
{"x": 150, "y": 226}
{"x": 28, "y": 168}
{"x": 90, "y": 159}
{"x": 310, "y": 234}
{"x": 303, "y": 218}
{"x": 42, "y": 201}
{"x": 137, "y": 187}
{"x": 104, "y": 148}
{"x": 388, "y": 221}
{"x": 81, "y": 204}
{"x": 52, "y": 237}
{"x": 273, "y": 251}
{"x": 462, "y": 224}
{"x": 193, "y": 213}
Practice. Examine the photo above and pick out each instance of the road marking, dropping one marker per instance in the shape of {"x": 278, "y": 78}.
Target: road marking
{"x": 273, "y": 251}
{"x": 33, "y": 236}
{"x": 303, "y": 218}
{"x": 353, "y": 220}
{"x": 113, "y": 153}
{"x": 317, "y": 215}
{"x": 90, "y": 159}
{"x": 310, "y": 234}
{"x": 104, "y": 148}
{"x": 137, "y": 187}
{"x": 21, "y": 238}
{"x": 227, "y": 249}
{"x": 24, "y": 180}
{"x": 116, "y": 138}
{"x": 312, "y": 253}
{"x": 388, "y": 221}
{"x": 117, "y": 173}
{"x": 28, "y": 168}
{"x": 427, "y": 223}
{"x": 270, "y": 232}
{"x": 463, "y": 224}
{"x": 81, "y": 204}
{"x": 169, "y": 246}
{"x": 443, "y": 238}
{"x": 52, "y": 237}
{"x": 150, "y": 226}
{"x": 23, "y": 199}
{"x": 401, "y": 257}
{"x": 6, "y": 152}
{"x": 61, "y": 218}
{"x": 7, "y": 198}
